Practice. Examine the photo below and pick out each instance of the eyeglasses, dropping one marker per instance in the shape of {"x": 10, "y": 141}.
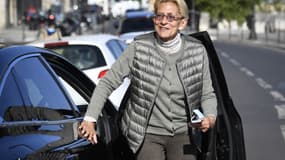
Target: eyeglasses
{"x": 170, "y": 18}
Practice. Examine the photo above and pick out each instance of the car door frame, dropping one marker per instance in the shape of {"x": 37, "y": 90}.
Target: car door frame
{"x": 227, "y": 135}
{"x": 106, "y": 126}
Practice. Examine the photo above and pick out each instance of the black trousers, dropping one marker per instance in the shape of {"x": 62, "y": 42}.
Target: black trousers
{"x": 156, "y": 147}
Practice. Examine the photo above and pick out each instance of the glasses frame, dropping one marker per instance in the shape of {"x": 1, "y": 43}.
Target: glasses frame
{"x": 169, "y": 18}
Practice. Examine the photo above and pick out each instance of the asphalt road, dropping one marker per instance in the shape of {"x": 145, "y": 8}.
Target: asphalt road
{"x": 256, "y": 80}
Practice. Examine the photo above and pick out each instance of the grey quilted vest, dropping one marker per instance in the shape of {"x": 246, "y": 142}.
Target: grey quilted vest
{"x": 146, "y": 76}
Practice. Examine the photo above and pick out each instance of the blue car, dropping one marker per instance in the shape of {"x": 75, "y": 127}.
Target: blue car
{"x": 38, "y": 111}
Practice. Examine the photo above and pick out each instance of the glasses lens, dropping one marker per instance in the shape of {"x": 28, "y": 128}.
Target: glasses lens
{"x": 159, "y": 17}
{"x": 169, "y": 18}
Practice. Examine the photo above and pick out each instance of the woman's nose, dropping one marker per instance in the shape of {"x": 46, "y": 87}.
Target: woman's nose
{"x": 164, "y": 20}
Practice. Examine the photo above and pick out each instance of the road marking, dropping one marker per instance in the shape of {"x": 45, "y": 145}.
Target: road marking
{"x": 280, "y": 110}
{"x": 235, "y": 62}
{"x": 263, "y": 83}
{"x": 277, "y": 96}
{"x": 224, "y": 54}
{"x": 282, "y": 127}
{"x": 247, "y": 71}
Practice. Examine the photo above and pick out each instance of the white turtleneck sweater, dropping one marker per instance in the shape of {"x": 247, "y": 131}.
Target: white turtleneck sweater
{"x": 171, "y": 46}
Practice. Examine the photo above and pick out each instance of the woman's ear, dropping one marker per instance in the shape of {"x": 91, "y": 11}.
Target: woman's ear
{"x": 183, "y": 23}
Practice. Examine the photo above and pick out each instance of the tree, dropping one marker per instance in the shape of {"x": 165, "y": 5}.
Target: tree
{"x": 240, "y": 10}
{"x": 227, "y": 9}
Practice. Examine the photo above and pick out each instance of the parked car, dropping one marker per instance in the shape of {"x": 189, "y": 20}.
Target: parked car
{"x": 93, "y": 54}
{"x": 135, "y": 23}
{"x": 38, "y": 117}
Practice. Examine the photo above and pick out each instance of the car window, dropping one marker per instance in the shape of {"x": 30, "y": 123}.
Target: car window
{"x": 82, "y": 56}
{"x": 76, "y": 97}
{"x": 10, "y": 89}
{"x": 41, "y": 87}
{"x": 137, "y": 24}
{"x": 41, "y": 95}
{"x": 116, "y": 47}
{"x": 123, "y": 44}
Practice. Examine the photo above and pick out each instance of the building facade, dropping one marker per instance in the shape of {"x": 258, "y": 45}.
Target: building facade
{"x": 13, "y": 11}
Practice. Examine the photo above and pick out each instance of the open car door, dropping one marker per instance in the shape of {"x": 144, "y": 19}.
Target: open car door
{"x": 225, "y": 141}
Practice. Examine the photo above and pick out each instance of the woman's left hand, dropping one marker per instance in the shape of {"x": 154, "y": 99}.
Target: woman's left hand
{"x": 206, "y": 123}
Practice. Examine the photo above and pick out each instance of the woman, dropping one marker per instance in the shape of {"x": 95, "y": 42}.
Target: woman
{"x": 170, "y": 78}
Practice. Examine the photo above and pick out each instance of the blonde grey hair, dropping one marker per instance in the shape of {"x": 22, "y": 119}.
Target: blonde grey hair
{"x": 182, "y": 6}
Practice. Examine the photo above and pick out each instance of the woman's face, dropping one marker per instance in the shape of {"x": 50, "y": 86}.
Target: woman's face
{"x": 168, "y": 21}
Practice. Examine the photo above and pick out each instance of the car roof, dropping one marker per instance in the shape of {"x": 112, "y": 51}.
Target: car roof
{"x": 94, "y": 37}
{"x": 138, "y": 13}
{"x": 80, "y": 39}
{"x": 8, "y": 54}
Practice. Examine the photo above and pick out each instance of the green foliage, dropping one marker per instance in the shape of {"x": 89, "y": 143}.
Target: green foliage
{"x": 274, "y": 5}
{"x": 227, "y": 9}
{"x": 278, "y": 5}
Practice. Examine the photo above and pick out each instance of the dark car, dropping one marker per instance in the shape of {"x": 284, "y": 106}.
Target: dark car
{"x": 135, "y": 23}
{"x": 43, "y": 98}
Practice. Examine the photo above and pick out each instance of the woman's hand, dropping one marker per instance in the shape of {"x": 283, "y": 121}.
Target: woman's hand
{"x": 87, "y": 130}
{"x": 206, "y": 123}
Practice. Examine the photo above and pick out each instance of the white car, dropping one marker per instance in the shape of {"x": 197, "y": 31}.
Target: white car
{"x": 93, "y": 54}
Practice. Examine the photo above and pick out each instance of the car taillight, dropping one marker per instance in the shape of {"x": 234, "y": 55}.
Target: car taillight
{"x": 102, "y": 73}
{"x": 55, "y": 44}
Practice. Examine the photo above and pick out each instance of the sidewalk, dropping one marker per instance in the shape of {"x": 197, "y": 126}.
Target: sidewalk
{"x": 275, "y": 40}
{"x": 22, "y": 35}
{"x": 17, "y": 35}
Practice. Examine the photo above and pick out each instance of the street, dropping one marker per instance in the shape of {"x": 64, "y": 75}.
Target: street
{"x": 256, "y": 83}
{"x": 254, "y": 73}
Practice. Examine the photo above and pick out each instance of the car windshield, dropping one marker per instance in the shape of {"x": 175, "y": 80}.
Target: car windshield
{"x": 116, "y": 47}
{"x": 82, "y": 56}
{"x": 137, "y": 24}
